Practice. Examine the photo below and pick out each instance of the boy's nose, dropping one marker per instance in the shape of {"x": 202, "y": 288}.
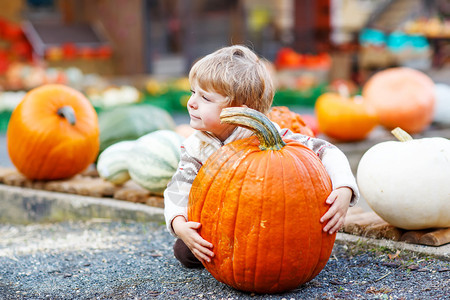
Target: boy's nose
{"x": 191, "y": 102}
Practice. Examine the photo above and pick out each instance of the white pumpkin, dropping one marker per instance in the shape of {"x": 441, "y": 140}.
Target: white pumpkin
{"x": 112, "y": 163}
{"x": 154, "y": 159}
{"x": 407, "y": 183}
{"x": 442, "y": 109}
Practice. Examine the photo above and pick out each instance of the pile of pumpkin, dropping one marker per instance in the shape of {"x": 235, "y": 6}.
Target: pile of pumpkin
{"x": 395, "y": 97}
{"x": 55, "y": 133}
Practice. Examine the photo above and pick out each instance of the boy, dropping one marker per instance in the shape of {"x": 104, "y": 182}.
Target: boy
{"x": 236, "y": 76}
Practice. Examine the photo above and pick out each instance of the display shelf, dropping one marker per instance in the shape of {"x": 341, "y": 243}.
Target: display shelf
{"x": 45, "y": 35}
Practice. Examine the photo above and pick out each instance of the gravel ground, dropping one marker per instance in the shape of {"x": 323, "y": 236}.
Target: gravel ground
{"x": 100, "y": 259}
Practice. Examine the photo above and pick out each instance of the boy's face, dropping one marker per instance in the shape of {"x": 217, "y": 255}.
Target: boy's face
{"x": 204, "y": 109}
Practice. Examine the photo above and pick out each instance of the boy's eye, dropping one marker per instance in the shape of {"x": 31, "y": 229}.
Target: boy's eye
{"x": 192, "y": 91}
{"x": 205, "y": 98}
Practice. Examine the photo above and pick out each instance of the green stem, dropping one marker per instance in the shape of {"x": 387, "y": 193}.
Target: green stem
{"x": 68, "y": 113}
{"x": 401, "y": 135}
{"x": 267, "y": 133}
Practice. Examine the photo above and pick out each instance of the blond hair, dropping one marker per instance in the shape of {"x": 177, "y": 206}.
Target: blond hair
{"x": 238, "y": 73}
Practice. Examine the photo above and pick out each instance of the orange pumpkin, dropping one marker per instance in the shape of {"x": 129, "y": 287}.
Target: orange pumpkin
{"x": 402, "y": 97}
{"x": 343, "y": 118}
{"x": 259, "y": 201}
{"x": 53, "y": 133}
{"x": 288, "y": 58}
{"x": 289, "y": 119}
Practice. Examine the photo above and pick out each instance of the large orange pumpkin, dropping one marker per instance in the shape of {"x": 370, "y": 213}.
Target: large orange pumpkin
{"x": 259, "y": 201}
{"x": 286, "y": 118}
{"x": 345, "y": 118}
{"x": 402, "y": 97}
{"x": 53, "y": 133}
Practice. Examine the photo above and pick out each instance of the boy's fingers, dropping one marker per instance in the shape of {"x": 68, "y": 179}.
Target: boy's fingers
{"x": 337, "y": 226}
{"x": 207, "y": 244}
{"x": 194, "y": 225}
{"x": 331, "y": 198}
{"x": 200, "y": 257}
{"x": 330, "y": 213}
{"x": 332, "y": 223}
{"x": 208, "y": 253}
{"x": 202, "y": 242}
{"x": 203, "y": 253}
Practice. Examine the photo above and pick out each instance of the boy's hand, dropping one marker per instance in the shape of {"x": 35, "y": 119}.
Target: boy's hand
{"x": 339, "y": 199}
{"x": 187, "y": 231}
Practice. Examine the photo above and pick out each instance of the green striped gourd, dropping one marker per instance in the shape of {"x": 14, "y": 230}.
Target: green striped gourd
{"x": 112, "y": 164}
{"x": 131, "y": 122}
{"x": 154, "y": 159}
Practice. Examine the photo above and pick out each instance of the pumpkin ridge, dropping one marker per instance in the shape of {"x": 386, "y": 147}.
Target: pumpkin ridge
{"x": 313, "y": 258}
{"x": 239, "y": 275}
{"x": 218, "y": 159}
{"x": 259, "y": 214}
{"x": 284, "y": 228}
{"x": 167, "y": 143}
{"x": 299, "y": 170}
{"x": 55, "y": 164}
{"x": 318, "y": 256}
{"x": 309, "y": 263}
{"x": 20, "y": 149}
{"x": 219, "y": 238}
{"x": 32, "y": 136}
{"x": 42, "y": 163}
{"x": 322, "y": 257}
{"x": 241, "y": 173}
{"x": 153, "y": 157}
{"x": 201, "y": 201}
{"x": 198, "y": 197}
{"x": 280, "y": 162}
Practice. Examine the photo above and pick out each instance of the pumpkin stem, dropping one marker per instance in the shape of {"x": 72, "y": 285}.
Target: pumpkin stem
{"x": 343, "y": 91}
{"x": 267, "y": 133}
{"x": 68, "y": 113}
{"x": 401, "y": 135}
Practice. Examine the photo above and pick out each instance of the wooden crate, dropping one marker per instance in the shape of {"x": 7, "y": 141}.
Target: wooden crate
{"x": 369, "y": 224}
{"x": 87, "y": 184}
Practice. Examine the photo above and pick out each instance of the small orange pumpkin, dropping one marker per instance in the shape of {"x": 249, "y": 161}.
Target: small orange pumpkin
{"x": 402, "y": 97}
{"x": 259, "y": 201}
{"x": 286, "y": 118}
{"x": 344, "y": 118}
{"x": 53, "y": 133}
{"x": 337, "y": 85}
{"x": 288, "y": 58}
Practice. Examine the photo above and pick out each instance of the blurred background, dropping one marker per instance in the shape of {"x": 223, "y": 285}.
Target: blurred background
{"x": 121, "y": 52}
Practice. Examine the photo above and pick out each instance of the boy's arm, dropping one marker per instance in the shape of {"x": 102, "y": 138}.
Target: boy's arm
{"x": 338, "y": 168}
{"x": 176, "y": 198}
{"x": 176, "y": 195}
